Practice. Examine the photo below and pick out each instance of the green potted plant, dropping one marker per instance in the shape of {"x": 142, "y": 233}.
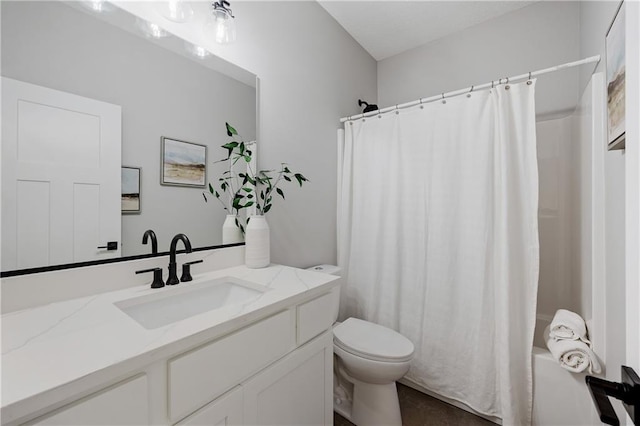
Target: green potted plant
{"x": 231, "y": 189}
{"x": 249, "y": 188}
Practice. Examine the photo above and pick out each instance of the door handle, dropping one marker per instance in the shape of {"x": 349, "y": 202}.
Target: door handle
{"x": 111, "y": 245}
{"x": 628, "y": 392}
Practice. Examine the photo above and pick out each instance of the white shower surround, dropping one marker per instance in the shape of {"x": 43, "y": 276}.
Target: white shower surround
{"x": 458, "y": 154}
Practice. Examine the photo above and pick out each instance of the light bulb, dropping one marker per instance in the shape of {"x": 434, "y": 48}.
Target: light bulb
{"x": 221, "y": 27}
{"x": 150, "y": 29}
{"x": 176, "y": 10}
{"x": 198, "y": 51}
{"x": 97, "y": 6}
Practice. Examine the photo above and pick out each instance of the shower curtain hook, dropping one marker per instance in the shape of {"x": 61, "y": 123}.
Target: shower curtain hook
{"x": 469, "y": 94}
{"x": 443, "y": 101}
{"x": 421, "y": 106}
{"x": 529, "y": 80}
{"x": 397, "y": 112}
{"x": 507, "y": 87}
{"x": 492, "y": 84}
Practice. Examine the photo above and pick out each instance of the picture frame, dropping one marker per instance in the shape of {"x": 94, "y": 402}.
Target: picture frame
{"x": 183, "y": 163}
{"x": 615, "y": 74}
{"x": 131, "y": 184}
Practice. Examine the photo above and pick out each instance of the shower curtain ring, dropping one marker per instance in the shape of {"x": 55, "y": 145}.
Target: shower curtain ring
{"x": 492, "y": 84}
{"x": 469, "y": 94}
{"x": 443, "y": 101}
{"x": 507, "y": 87}
{"x": 397, "y": 112}
{"x": 529, "y": 80}
{"x": 421, "y": 106}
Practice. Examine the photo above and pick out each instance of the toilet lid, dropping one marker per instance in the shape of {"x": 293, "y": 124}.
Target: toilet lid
{"x": 372, "y": 341}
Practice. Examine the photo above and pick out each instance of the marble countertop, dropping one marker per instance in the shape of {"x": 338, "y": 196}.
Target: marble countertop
{"x": 55, "y": 351}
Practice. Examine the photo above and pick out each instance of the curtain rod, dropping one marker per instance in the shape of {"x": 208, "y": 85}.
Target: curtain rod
{"x": 472, "y": 88}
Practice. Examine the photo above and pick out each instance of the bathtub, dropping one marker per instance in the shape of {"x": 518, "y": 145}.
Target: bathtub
{"x": 559, "y": 397}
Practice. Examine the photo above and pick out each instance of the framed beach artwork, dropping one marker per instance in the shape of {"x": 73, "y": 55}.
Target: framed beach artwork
{"x": 131, "y": 189}
{"x": 615, "y": 45}
{"x": 183, "y": 163}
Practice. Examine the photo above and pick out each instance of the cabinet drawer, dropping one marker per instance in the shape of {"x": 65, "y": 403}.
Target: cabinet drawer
{"x": 316, "y": 316}
{"x": 226, "y": 410}
{"x": 122, "y": 404}
{"x": 202, "y": 374}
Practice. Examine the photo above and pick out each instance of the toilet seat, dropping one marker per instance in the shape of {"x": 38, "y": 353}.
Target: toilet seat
{"x": 372, "y": 341}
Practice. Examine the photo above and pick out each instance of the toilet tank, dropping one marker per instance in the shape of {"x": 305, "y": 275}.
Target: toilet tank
{"x": 332, "y": 270}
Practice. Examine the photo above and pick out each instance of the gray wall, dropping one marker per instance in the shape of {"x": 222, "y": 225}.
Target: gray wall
{"x": 311, "y": 74}
{"x": 161, "y": 94}
{"x": 595, "y": 18}
{"x": 534, "y": 37}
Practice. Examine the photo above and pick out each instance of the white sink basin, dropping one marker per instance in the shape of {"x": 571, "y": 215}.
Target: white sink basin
{"x": 172, "y": 304}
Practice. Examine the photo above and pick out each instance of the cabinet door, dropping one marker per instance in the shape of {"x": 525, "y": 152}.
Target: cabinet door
{"x": 297, "y": 390}
{"x": 201, "y": 375}
{"x": 226, "y": 410}
{"x": 122, "y": 404}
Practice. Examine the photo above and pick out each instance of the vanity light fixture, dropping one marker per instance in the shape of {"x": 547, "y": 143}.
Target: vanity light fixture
{"x": 150, "y": 29}
{"x": 221, "y": 26}
{"x": 176, "y": 10}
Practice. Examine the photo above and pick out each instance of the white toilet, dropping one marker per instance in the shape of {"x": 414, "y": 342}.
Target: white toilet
{"x": 369, "y": 358}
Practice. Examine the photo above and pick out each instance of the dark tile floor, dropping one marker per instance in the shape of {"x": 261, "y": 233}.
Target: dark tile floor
{"x": 419, "y": 409}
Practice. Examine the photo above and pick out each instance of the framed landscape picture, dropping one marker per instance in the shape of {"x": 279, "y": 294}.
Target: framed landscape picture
{"x": 183, "y": 163}
{"x": 615, "y": 45}
{"x": 131, "y": 189}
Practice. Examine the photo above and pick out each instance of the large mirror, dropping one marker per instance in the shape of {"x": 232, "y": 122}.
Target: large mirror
{"x": 166, "y": 97}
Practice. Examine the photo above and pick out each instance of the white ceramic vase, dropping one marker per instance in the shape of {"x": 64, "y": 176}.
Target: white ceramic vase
{"x": 257, "y": 245}
{"x": 231, "y": 234}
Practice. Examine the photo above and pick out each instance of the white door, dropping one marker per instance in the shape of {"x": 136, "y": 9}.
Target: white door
{"x": 60, "y": 177}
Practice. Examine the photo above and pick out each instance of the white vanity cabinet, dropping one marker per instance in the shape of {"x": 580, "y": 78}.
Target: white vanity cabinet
{"x": 207, "y": 371}
{"x": 297, "y": 390}
{"x": 274, "y": 369}
{"x": 121, "y": 404}
{"x": 225, "y": 410}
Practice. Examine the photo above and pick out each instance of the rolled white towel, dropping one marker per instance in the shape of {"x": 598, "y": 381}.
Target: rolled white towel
{"x": 573, "y": 355}
{"x": 568, "y": 325}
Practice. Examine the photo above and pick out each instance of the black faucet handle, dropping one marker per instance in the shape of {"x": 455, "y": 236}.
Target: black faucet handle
{"x": 186, "y": 270}
{"x": 157, "y": 276}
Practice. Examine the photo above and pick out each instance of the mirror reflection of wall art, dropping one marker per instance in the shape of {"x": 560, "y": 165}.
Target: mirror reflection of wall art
{"x": 183, "y": 163}
{"x": 615, "y": 44}
{"x": 130, "y": 189}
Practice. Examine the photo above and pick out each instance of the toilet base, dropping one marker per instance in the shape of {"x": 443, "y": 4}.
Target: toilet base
{"x": 372, "y": 405}
{"x": 343, "y": 407}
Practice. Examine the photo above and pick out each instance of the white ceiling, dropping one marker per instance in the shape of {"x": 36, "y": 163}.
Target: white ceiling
{"x": 386, "y": 28}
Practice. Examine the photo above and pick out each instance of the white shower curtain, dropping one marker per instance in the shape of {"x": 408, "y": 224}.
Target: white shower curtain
{"x": 438, "y": 239}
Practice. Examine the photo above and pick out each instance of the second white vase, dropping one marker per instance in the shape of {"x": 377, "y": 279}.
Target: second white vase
{"x": 257, "y": 244}
{"x": 231, "y": 233}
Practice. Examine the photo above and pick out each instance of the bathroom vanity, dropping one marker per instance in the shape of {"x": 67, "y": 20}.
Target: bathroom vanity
{"x": 262, "y": 355}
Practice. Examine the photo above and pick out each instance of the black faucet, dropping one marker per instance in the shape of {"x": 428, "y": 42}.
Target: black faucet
{"x": 154, "y": 241}
{"x": 173, "y": 275}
